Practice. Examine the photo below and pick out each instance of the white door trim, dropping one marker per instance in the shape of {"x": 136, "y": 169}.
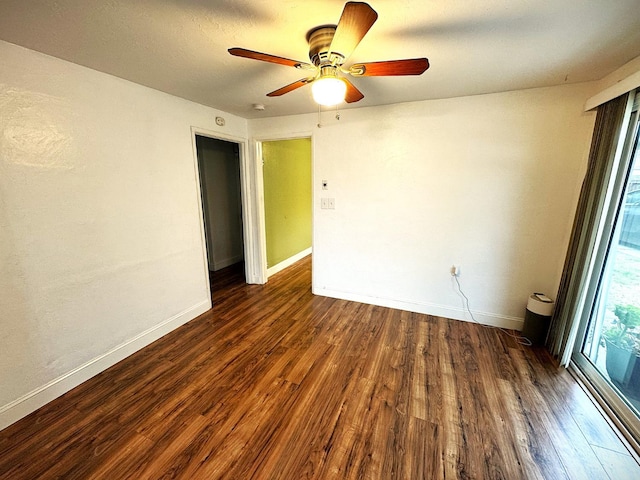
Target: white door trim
{"x": 254, "y": 272}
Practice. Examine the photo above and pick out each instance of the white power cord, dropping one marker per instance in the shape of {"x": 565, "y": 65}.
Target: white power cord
{"x": 518, "y": 338}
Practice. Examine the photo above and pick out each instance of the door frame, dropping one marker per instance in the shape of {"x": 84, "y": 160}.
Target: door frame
{"x": 259, "y": 179}
{"x": 251, "y": 233}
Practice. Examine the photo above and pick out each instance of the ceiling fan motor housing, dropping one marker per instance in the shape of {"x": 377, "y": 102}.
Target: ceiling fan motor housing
{"x": 319, "y": 46}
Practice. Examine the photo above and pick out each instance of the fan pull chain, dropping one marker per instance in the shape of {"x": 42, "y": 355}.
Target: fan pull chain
{"x": 319, "y": 124}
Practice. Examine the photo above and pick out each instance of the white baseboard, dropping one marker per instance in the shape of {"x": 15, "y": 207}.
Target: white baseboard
{"x": 288, "y": 262}
{"x": 495, "y": 320}
{"x": 220, "y": 264}
{"x": 23, "y": 406}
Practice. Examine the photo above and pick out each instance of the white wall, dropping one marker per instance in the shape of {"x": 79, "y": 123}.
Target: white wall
{"x": 488, "y": 182}
{"x": 101, "y": 245}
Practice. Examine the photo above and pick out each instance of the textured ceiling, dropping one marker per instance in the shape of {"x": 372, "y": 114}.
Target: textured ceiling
{"x": 180, "y": 46}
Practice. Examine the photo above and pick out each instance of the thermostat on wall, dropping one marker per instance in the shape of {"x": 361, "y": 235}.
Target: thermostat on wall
{"x": 220, "y": 121}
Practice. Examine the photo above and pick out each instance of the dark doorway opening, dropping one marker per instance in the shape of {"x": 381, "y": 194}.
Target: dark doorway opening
{"x": 219, "y": 167}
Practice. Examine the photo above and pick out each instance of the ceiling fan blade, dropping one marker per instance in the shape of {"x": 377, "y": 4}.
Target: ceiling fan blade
{"x": 353, "y": 94}
{"x": 265, "y": 57}
{"x": 292, "y": 86}
{"x": 355, "y": 21}
{"x": 410, "y": 66}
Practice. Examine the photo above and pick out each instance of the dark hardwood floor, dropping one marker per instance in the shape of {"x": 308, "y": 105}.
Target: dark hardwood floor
{"x": 275, "y": 383}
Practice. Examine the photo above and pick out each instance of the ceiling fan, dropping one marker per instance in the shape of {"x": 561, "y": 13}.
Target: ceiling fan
{"x": 329, "y": 47}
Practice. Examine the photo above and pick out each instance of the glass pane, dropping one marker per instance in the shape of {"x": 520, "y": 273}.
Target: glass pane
{"x": 612, "y": 342}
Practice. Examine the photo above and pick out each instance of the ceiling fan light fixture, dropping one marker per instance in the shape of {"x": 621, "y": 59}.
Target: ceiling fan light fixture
{"x": 329, "y": 47}
{"x": 329, "y": 91}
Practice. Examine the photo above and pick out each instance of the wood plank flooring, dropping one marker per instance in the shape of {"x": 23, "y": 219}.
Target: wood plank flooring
{"x": 275, "y": 383}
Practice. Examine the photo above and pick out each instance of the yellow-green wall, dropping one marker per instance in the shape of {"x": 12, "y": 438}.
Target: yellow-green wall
{"x": 287, "y": 198}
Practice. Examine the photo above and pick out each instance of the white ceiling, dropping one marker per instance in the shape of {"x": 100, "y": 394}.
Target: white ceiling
{"x": 180, "y": 46}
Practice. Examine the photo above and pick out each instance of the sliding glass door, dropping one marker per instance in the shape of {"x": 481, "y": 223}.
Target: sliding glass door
{"x": 608, "y": 350}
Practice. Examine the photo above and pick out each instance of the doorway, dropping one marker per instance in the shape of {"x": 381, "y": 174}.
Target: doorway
{"x": 221, "y": 193}
{"x": 288, "y": 206}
